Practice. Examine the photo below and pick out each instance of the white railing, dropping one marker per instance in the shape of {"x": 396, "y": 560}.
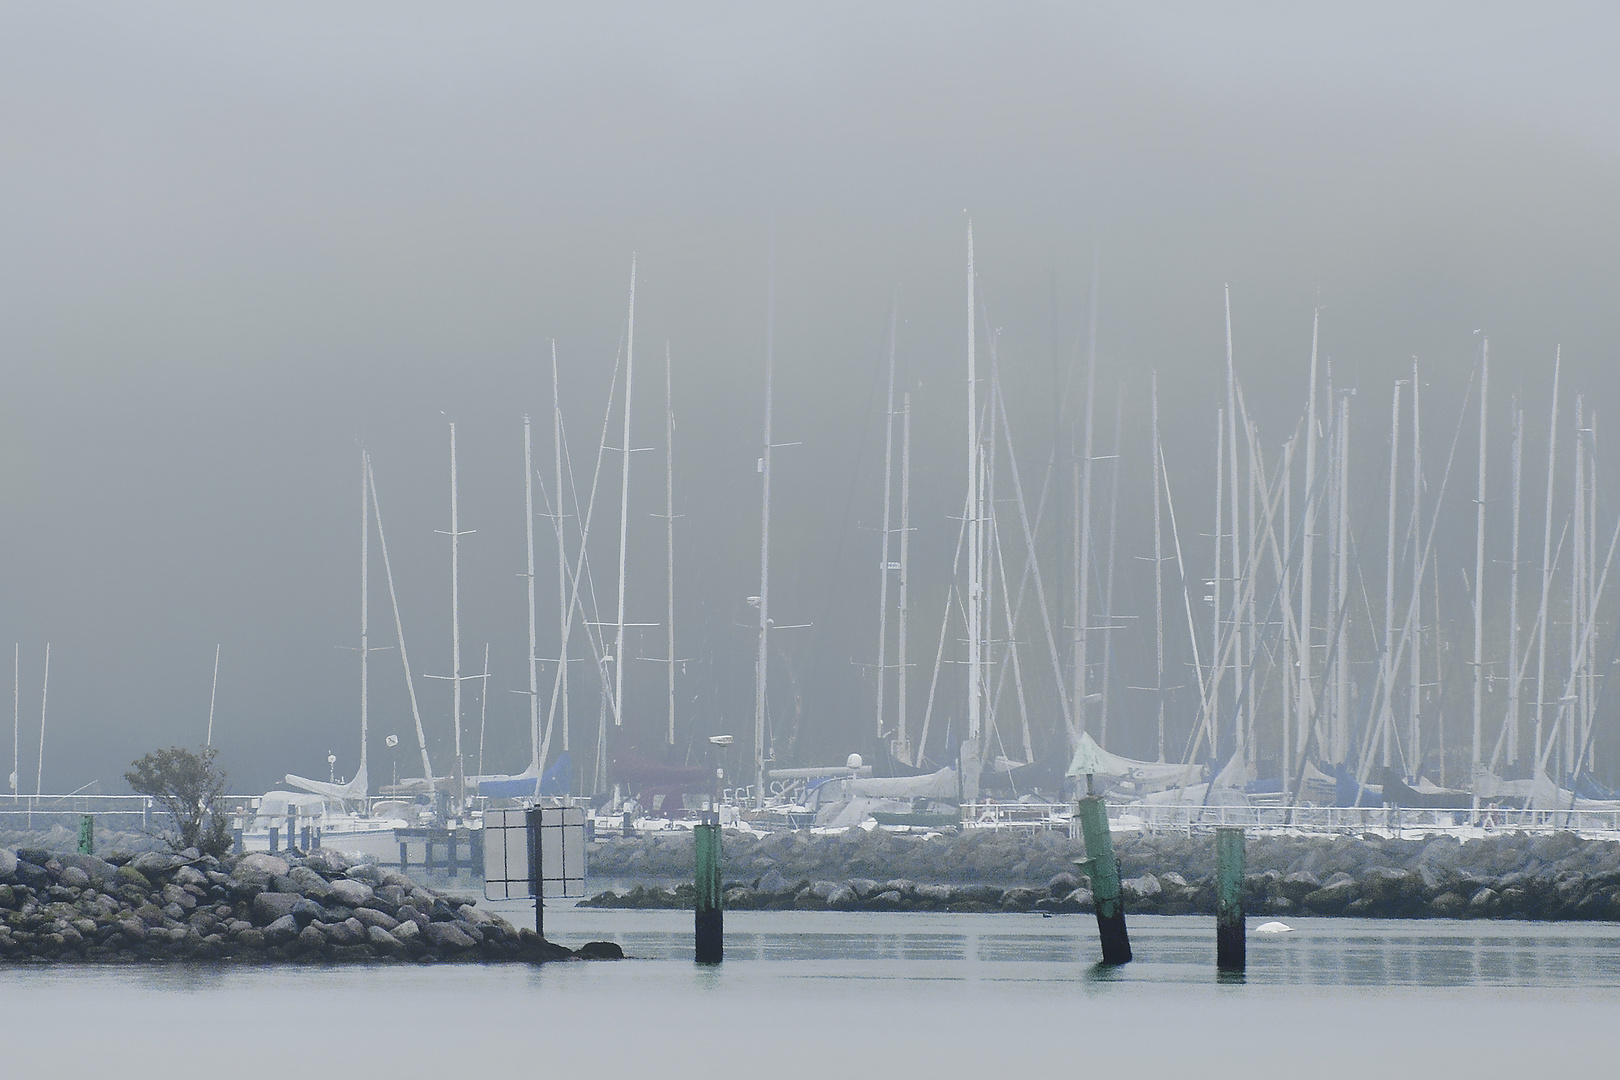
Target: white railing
{"x": 1380, "y": 819}
{"x": 1015, "y": 815}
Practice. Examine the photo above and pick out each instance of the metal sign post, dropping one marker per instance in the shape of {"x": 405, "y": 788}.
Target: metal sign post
{"x": 536, "y": 853}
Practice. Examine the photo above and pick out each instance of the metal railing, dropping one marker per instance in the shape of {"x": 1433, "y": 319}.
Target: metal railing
{"x": 1350, "y": 819}
{"x": 1016, "y": 815}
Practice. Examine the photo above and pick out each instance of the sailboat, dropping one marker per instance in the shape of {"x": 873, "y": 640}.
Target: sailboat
{"x": 329, "y": 813}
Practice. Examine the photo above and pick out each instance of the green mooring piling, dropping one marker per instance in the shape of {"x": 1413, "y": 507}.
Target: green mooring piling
{"x": 1231, "y": 944}
{"x": 87, "y": 834}
{"x": 710, "y": 909}
{"x": 1104, "y": 874}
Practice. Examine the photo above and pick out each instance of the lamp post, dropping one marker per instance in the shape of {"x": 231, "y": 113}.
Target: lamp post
{"x": 722, "y": 742}
{"x": 709, "y": 910}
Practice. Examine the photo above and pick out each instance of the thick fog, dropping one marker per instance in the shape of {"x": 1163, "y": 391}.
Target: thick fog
{"x": 239, "y": 244}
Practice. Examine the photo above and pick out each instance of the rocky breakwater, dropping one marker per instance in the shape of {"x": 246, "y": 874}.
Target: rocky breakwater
{"x": 257, "y": 908}
{"x": 1556, "y": 876}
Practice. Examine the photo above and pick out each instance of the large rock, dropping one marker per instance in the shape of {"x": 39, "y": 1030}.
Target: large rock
{"x": 1138, "y": 889}
{"x": 270, "y": 906}
{"x": 156, "y": 862}
{"x": 309, "y": 883}
{"x": 445, "y": 935}
{"x": 101, "y": 872}
{"x": 258, "y": 864}
{"x": 281, "y": 930}
{"x": 350, "y": 893}
{"x": 8, "y": 864}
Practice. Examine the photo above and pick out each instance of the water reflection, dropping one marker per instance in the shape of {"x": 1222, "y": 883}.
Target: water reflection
{"x": 1321, "y": 952}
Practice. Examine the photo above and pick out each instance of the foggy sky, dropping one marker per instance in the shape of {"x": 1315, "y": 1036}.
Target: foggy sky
{"x": 237, "y": 244}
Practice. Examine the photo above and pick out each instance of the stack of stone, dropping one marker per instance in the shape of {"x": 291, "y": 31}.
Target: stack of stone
{"x": 259, "y": 907}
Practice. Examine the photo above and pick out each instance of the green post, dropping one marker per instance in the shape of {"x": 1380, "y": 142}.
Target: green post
{"x": 87, "y": 834}
{"x": 1231, "y": 945}
{"x": 710, "y": 911}
{"x": 1104, "y": 873}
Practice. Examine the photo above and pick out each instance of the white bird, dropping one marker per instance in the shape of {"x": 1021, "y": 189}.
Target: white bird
{"x": 1274, "y": 928}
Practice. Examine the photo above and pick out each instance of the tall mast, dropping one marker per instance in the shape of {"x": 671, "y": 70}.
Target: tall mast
{"x": 1479, "y": 567}
{"x": 1389, "y": 574}
{"x": 534, "y": 638}
{"x": 624, "y": 504}
{"x": 455, "y": 619}
{"x": 213, "y": 693}
{"x": 1415, "y": 661}
{"x": 1515, "y": 669}
{"x": 905, "y": 551}
{"x": 39, "y": 780}
{"x": 1108, "y": 588}
{"x": 1217, "y": 667}
{"x": 365, "y": 626}
{"x": 970, "y": 745}
{"x": 1235, "y": 552}
{"x": 1577, "y": 570}
{"x": 1341, "y": 666}
{"x": 1307, "y": 545}
{"x": 1546, "y": 559}
{"x": 564, "y": 597}
{"x": 669, "y": 525}
{"x": 399, "y": 627}
{"x": 1158, "y": 558}
{"x": 762, "y": 662}
{"x": 1083, "y": 541}
{"x": 16, "y": 715}
{"x": 883, "y": 559}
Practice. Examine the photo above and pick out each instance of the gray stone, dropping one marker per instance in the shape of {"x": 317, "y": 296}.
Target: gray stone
{"x": 347, "y": 932}
{"x": 383, "y": 941}
{"x": 366, "y": 872}
{"x": 371, "y": 917}
{"x": 260, "y": 863}
{"x": 270, "y": 906}
{"x": 349, "y": 892}
{"x": 75, "y": 878}
{"x": 443, "y": 935}
{"x": 281, "y": 930}
{"x": 8, "y": 864}
{"x": 306, "y": 910}
{"x": 823, "y": 890}
{"x": 932, "y": 894}
{"x": 468, "y": 913}
{"x": 390, "y": 897}
{"x": 101, "y": 872}
{"x": 156, "y": 862}
{"x": 311, "y": 938}
{"x": 1137, "y": 889}
{"x": 406, "y": 932}
{"x": 327, "y": 861}
{"x": 773, "y": 883}
{"x": 188, "y": 875}
{"x": 842, "y": 897}
{"x": 309, "y": 883}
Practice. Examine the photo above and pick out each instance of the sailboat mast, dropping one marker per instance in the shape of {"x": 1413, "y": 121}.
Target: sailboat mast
{"x": 905, "y": 551}
{"x": 1515, "y": 670}
{"x": 669, "y": 526}
{"x": 365, "y": 626}
{"x": 1389, "y": 571}
{"x": 534, "y": 638}
{"x": 1307, "y": 632}
{"x": 1217, "y": 667}
{"x": 1108, "y": 587}
{"x": 624, "y": 504}
{"x": 16, "y": 716}
{"x": 39, "y": 780}
{"x": 1158, "y": 558}
{"x": 1083, "y": 542}
{"x": 883, "y": 558}
{"x": 213, "y": 693}
{"x": 1546, "y": 559}
{"x": 761, "y": 660}
{"x": 399, "y": 627}
{"x": 1415, "y": 663}
{"x": 1577, "y": 570}
{"x": 564, "y": 597}
{"x": 975, "y": 621}
{"x": 455, "y": 618}
{"x": 1341, "y": 666}
{"x": 1479, "y": 568}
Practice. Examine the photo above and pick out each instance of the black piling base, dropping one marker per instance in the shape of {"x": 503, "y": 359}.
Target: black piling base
{"x": 1231, "y": 946}
{"x": 710, "y": 936}
{"x": 1116, "y": 943}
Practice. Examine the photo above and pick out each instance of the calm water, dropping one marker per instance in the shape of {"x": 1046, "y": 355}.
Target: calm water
{"x": 825, "y": 994}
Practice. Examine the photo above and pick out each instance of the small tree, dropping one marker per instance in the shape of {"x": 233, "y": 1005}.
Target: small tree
{"x": 186, "y": 784}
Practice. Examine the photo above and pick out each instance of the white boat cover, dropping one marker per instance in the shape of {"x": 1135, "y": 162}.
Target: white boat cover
{"x": 355, "y": 790}
{"x": 939, "y": 785}
{"x": 1092, "y": 760}
{"x": 1539, "y": 793}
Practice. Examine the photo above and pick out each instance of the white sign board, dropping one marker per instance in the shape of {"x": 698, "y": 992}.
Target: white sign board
{"x": 561, "y": 842}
